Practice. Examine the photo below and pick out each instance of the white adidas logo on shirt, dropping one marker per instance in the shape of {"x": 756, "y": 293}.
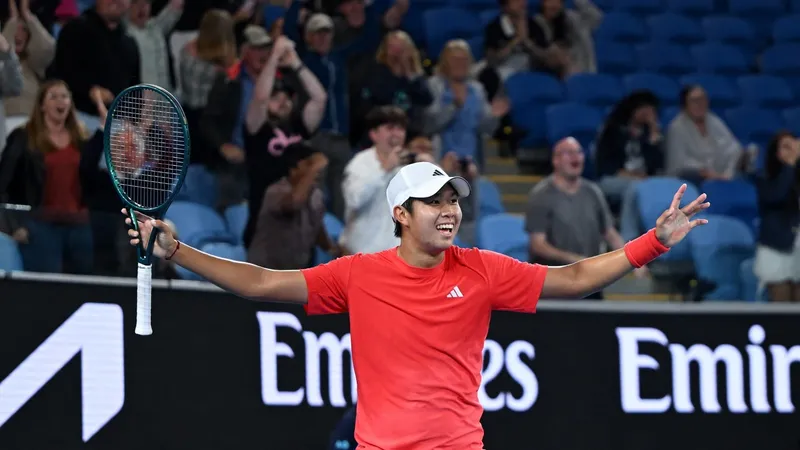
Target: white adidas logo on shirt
{"x": 455, "y": 293}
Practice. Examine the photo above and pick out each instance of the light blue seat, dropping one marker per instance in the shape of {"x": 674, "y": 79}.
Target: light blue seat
{"x": 10, "y": 257}
{"x": 594, "y": 89}
{"x": 236, "y": 217}
{"x": 504, "y": 233}
{"x": 653, "y": 197}
{"x": 489, "y": 200}
{"x": 735, "y": 198}
{"x": 573, "y": 119}
{"x": 718, "y": 250}
{"x": 199, "y": 186}
{"x": 531, "y": 87}
{"x": 751, "y": 124}
{"x": 197, "y": 224}
{"x": 749, "y": 284}
{"x": 334, "y": 227}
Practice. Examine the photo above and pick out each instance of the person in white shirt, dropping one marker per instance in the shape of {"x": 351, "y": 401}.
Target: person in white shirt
{"x": 368, "y": 228}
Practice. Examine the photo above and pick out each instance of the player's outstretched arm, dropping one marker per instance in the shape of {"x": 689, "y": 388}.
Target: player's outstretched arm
{"x": 593, "y": 274}
{"x": 243, "y": 279}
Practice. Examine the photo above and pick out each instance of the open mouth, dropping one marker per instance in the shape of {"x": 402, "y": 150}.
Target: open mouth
{"x": 446, "y": 229}
{"x": 61, "y": 110}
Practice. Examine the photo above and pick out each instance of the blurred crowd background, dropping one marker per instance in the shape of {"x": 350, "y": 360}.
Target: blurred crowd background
{"x": 575, "y": 121}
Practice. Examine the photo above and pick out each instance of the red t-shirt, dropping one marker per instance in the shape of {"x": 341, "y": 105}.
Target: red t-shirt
{"x": 417, "y": 339}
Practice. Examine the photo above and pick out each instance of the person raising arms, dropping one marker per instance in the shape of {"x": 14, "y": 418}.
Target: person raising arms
{"x": 419, "y": 313}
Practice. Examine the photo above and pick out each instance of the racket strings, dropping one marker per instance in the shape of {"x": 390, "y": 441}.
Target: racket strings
{"x": 147, "y": 146}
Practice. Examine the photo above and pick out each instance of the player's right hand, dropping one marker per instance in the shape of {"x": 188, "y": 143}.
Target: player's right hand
{"x": 165, "y": 242}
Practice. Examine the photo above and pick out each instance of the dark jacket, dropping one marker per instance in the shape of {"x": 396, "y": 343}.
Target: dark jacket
{"x": 611, "y": 151}
{"x": 778, "y": 206}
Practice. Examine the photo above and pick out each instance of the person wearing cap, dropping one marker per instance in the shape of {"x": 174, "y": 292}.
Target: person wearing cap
{"x": 419, "y": 313}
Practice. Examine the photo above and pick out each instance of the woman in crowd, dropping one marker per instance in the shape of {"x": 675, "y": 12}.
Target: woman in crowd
{"x": 41, "y": 167}
{"x": 565, "y": 35}
{"x": 777, "y": 263}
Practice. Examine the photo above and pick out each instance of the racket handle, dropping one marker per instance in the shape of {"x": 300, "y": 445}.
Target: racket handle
{"x": 143, "y": 289}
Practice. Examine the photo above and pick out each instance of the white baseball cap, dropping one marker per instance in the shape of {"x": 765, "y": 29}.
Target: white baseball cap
{"x": 421, "y": 180}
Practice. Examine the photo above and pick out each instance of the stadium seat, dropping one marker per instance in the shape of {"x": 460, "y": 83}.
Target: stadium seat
{"x": 622, "y": 28}
{"x": 786, "y": 29}
{"x": 653, "y": 196}
{"x": 198, "y": 224}
{"x": 504, "y": 233}
{"x": 486, "y": 17}
{"x": 444, "y": 24}
{"x": 720, "y": 59}
{"x": 489, "y": 200}
{"x": 749, "y": 284}
{"x": 598, "y": 90}
{"x": 766, "y": 91}
{"x": 794, "y": 6}
{"x": 10, "y": 257}
{"x": 728, "y": 30}
{"x": 722, "y": 92}
{"x": 199, "y": 186}
{"x": 667, "y": 115}
{"x": 615, "y": 58}
{"x": 529, "y": 87}
{"x": 753, "y": 125}
{"x": 735, "y": 198}
{"x": 236, "y": 217}
{"x": 692, "y": 8}
{"x": 791, "y": 117}
{"x": 530, "y": 119}
{"x": 664, "y": 58}
{"x": 674, "y": 28}
{"x": 639, "y": 7}
{"x": 476, "y": 46}
{"x": 781, "y": 60}
{"x": 414, "y": 24}
{"x": 334, "y": 228}
{"x": 718, "y": 250}
{"x": 573, "y": 119}
{"x": 760, "y": 14}
{"x": 661, "y": 86}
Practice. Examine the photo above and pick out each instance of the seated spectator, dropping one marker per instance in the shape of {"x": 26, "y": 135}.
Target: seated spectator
{"x": 10, "y": 82}
{"x": 777, "y": 262}
{"x": 290, "y": 223}
{"x": 460, "y": 113}
{"x": 368, "y": 226}
{"x": 273, "y": 123}
{"x": 41, "y": 168}
{"x": 567, "y": 216}
{"x": 564, "y": 36}
{"x": 95, "y": 54}
{"x": 510, "y": 46}
{"x": 629, "y": 148}
{"x": 150, "y": 34}
{"x": 35, "y": 49}
{"x": 699, "y": 144}
{"x": 398, "y": 79}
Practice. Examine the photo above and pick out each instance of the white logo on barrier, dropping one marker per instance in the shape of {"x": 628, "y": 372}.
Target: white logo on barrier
{"x": 633, "y": 361}
{"x": 271, "y": 350}
{"x": 96, "y": 332}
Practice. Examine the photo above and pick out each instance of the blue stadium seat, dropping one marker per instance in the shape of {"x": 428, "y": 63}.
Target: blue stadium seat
{"x": 10, "y": 257}
{"x": 721, "y": 91}
{"x": 661, "y": 86}
{"x": 477, "y": 46}
{"x": 720, "y": 59}
{"x": 640, "y": 7}
{"x": 198, "y": 224}
{"x": 530, "y": 119}
{"x": 767, "y": 91}
{"x": 754, "y": 125}
{"x": 749, "y": 285}
{"x": 531, "y": 87}
{"x": 718, "y": 250}
{"x": 573, "y": 119}
{"x": 786, "y": 29}
{"x": 598, "y": 90}
{"x": 334, "y": 227}
{"x": 504, "y": 233}
{"x": 444, "y": 24}
{"x": 489, "y": 200}
{"x": 653, "y": 196}
{"x": 621, "y": 27}
{"x": 728, "y": 30}
{"x": 486, "y": 17}
{"x": 615, "y": 58}
{"x": 791, "y": 117}
{"x": 735, "y": 198}
{"x": 199, "y": 186}
{"x": 782, "y": 60}
{"x": 414, "y": 24}
{"x": 667, "y": 115}
{"x": 236, "y": 217}
{"x": 794, "y": 5}
{"x": 692, "y": 8}
{"x": 674, "y": 28}
{"x": 760, "y": 14}
{"x": 664, "y": 58}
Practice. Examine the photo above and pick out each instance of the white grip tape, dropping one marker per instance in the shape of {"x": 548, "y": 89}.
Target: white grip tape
{"x": 143, "y": 290}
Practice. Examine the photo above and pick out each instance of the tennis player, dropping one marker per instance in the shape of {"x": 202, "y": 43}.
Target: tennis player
{"x": 419, "y": 313}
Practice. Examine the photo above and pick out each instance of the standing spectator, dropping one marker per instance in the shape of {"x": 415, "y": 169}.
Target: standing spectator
{"x": 368, "y": 228}
{"x": 509, "y": 45}
{"x": 567, "y": 216}
{"x": 273, "y": 123}
{"x": 699, "y": 145}
{"x": 565, "y": 35}
{"x": 150, "y": 34}
{"x": 95, "y": 53}
{"x": 41, "y": 168}
{"x": 777, "y": 262}
{"x": 290, "y": 224}
{"x": 35, "y": 49}
{"x": 10, "y": 82}
{"x": 460, "y": 113}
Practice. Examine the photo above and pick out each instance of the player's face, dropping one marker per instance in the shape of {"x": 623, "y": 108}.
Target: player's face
{"x": 434, "y": 222}
{"x": 57, "y": 103}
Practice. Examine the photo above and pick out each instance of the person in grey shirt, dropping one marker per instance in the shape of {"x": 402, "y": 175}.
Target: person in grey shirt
{"x": 567, "y": 216}
{"x": 10, "y": 82}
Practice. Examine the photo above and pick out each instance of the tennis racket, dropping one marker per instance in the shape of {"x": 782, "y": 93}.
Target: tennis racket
{"x": 147, "y": 152}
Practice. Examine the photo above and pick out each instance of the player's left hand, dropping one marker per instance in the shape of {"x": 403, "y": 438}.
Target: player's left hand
{"x": 675, "y": 223}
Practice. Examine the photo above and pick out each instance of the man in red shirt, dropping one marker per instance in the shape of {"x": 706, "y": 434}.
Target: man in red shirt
{"x": 419, "y": 313}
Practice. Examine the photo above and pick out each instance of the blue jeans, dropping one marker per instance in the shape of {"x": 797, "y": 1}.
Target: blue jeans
{"x": 50, "y": 245}
{"x": 624, "y": 190}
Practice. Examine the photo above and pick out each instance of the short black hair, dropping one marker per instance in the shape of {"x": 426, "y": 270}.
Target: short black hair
{"x": 297, "y": 152}
{"x": 398, "y": 227}
{"x": 386, "y": 115}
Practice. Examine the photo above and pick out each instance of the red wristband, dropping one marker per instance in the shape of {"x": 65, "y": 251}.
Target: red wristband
{"x": 177, "y": 246}
{"x": 644, "y": 249}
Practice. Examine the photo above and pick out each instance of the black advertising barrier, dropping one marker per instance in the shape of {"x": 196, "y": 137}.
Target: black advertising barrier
{"x": 223, "y": 373}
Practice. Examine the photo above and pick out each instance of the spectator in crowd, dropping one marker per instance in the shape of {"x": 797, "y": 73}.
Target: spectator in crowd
{"x": 699, "y": 145}
{"x": 398, "y": 79}
{"x": 567, "y": 216}
{"x": 35, "y": 49}
{"x": 95, "y": 54}
{"x": 11, "y": 82}
{"x": 63, "y": 13}
{"x": 564, "y": 36}
{"x": 777, "y": 262}
{"x": 273, "y": 123}
{"x": 460, "y": 113}
{"x": 41, "y": 168}
{"x": 629, "y": 148}
{"x": 150, "y": 34}
{"x": 510, "y": 46}
{"x": 368, "y": 225}
{"x": 290, "y": 224}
